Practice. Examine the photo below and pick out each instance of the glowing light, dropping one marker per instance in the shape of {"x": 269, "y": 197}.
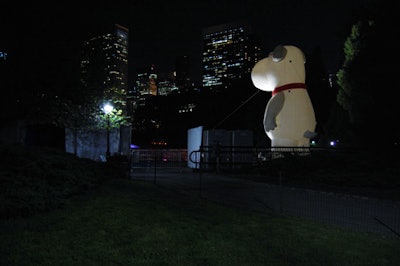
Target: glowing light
{"x": 133, "y": 146}
{"x": 108, "y": 108}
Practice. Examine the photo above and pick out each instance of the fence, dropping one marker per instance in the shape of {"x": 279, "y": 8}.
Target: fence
{"x": 206, "y": 157}
{"x": 162, "y": 158}
{"x": 169, "y": 168}
{"x": 226, "y": 158}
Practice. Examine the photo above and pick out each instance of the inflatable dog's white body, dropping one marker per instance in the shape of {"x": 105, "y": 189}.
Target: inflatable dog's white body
{"x": 289, "y": 118}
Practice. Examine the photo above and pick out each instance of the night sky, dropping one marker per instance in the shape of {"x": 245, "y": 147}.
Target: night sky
{"x": 161, "y": 31}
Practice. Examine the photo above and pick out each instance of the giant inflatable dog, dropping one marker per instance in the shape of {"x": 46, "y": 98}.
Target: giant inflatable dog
{"x": 289, "y": 118}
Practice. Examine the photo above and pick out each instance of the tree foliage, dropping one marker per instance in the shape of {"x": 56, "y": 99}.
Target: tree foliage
{"x": 367, "y": 78}
{"x": 84, "y": 110}
{"x": 354, "y": 94}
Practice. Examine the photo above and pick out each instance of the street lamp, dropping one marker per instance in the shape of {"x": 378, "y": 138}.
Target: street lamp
{"x": 107, "y": 109}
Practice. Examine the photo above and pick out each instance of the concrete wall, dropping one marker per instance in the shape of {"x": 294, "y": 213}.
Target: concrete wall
{"x": 93, "y": 144}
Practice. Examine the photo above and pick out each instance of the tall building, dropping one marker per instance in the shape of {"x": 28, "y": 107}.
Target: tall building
{"x": 146, "y": 84}
{"x": 182, "y": 74}
{"x": 104, "y": 65}
{"x": 229, "y": 53}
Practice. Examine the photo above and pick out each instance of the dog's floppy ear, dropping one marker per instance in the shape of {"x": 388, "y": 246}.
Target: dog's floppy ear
{"x": 279, "y": 53}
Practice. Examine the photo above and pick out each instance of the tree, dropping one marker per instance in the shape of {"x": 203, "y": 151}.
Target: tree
{"x": 367, "y": 90}
{"x": 82, "y": 109}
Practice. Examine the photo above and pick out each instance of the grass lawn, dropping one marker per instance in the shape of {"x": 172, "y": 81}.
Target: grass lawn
{"x": 126, "y": 222}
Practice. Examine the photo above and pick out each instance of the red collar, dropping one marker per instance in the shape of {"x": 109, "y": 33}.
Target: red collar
{"x": 288, "y": 87}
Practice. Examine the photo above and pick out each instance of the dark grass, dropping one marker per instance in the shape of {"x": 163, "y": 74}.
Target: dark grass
{"x": 126, "y": 222}
{"x": 60, "y": 210}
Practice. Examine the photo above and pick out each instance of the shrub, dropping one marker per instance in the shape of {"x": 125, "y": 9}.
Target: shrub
{"x": 35, "y": 179}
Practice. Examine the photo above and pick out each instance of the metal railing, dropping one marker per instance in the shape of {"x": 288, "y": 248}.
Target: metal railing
{"x": 278, "y": 194}
{"x": 208, "y": 157}
{"x": 161, "y": 158}
{"x": 234, "y": 157}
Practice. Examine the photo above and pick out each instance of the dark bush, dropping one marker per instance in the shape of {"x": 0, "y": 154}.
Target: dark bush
{"x": 35, "y": 179}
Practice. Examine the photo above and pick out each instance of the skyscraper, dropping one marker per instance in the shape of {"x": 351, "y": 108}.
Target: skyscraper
{"x": 229, "y": 52}
{"x": 104, "y": 65}
{"x": 145, "y": 84}
{"x": 182, "y": 75}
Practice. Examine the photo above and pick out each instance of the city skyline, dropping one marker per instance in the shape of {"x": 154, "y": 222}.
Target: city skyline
{"x": 161, "y": 32}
